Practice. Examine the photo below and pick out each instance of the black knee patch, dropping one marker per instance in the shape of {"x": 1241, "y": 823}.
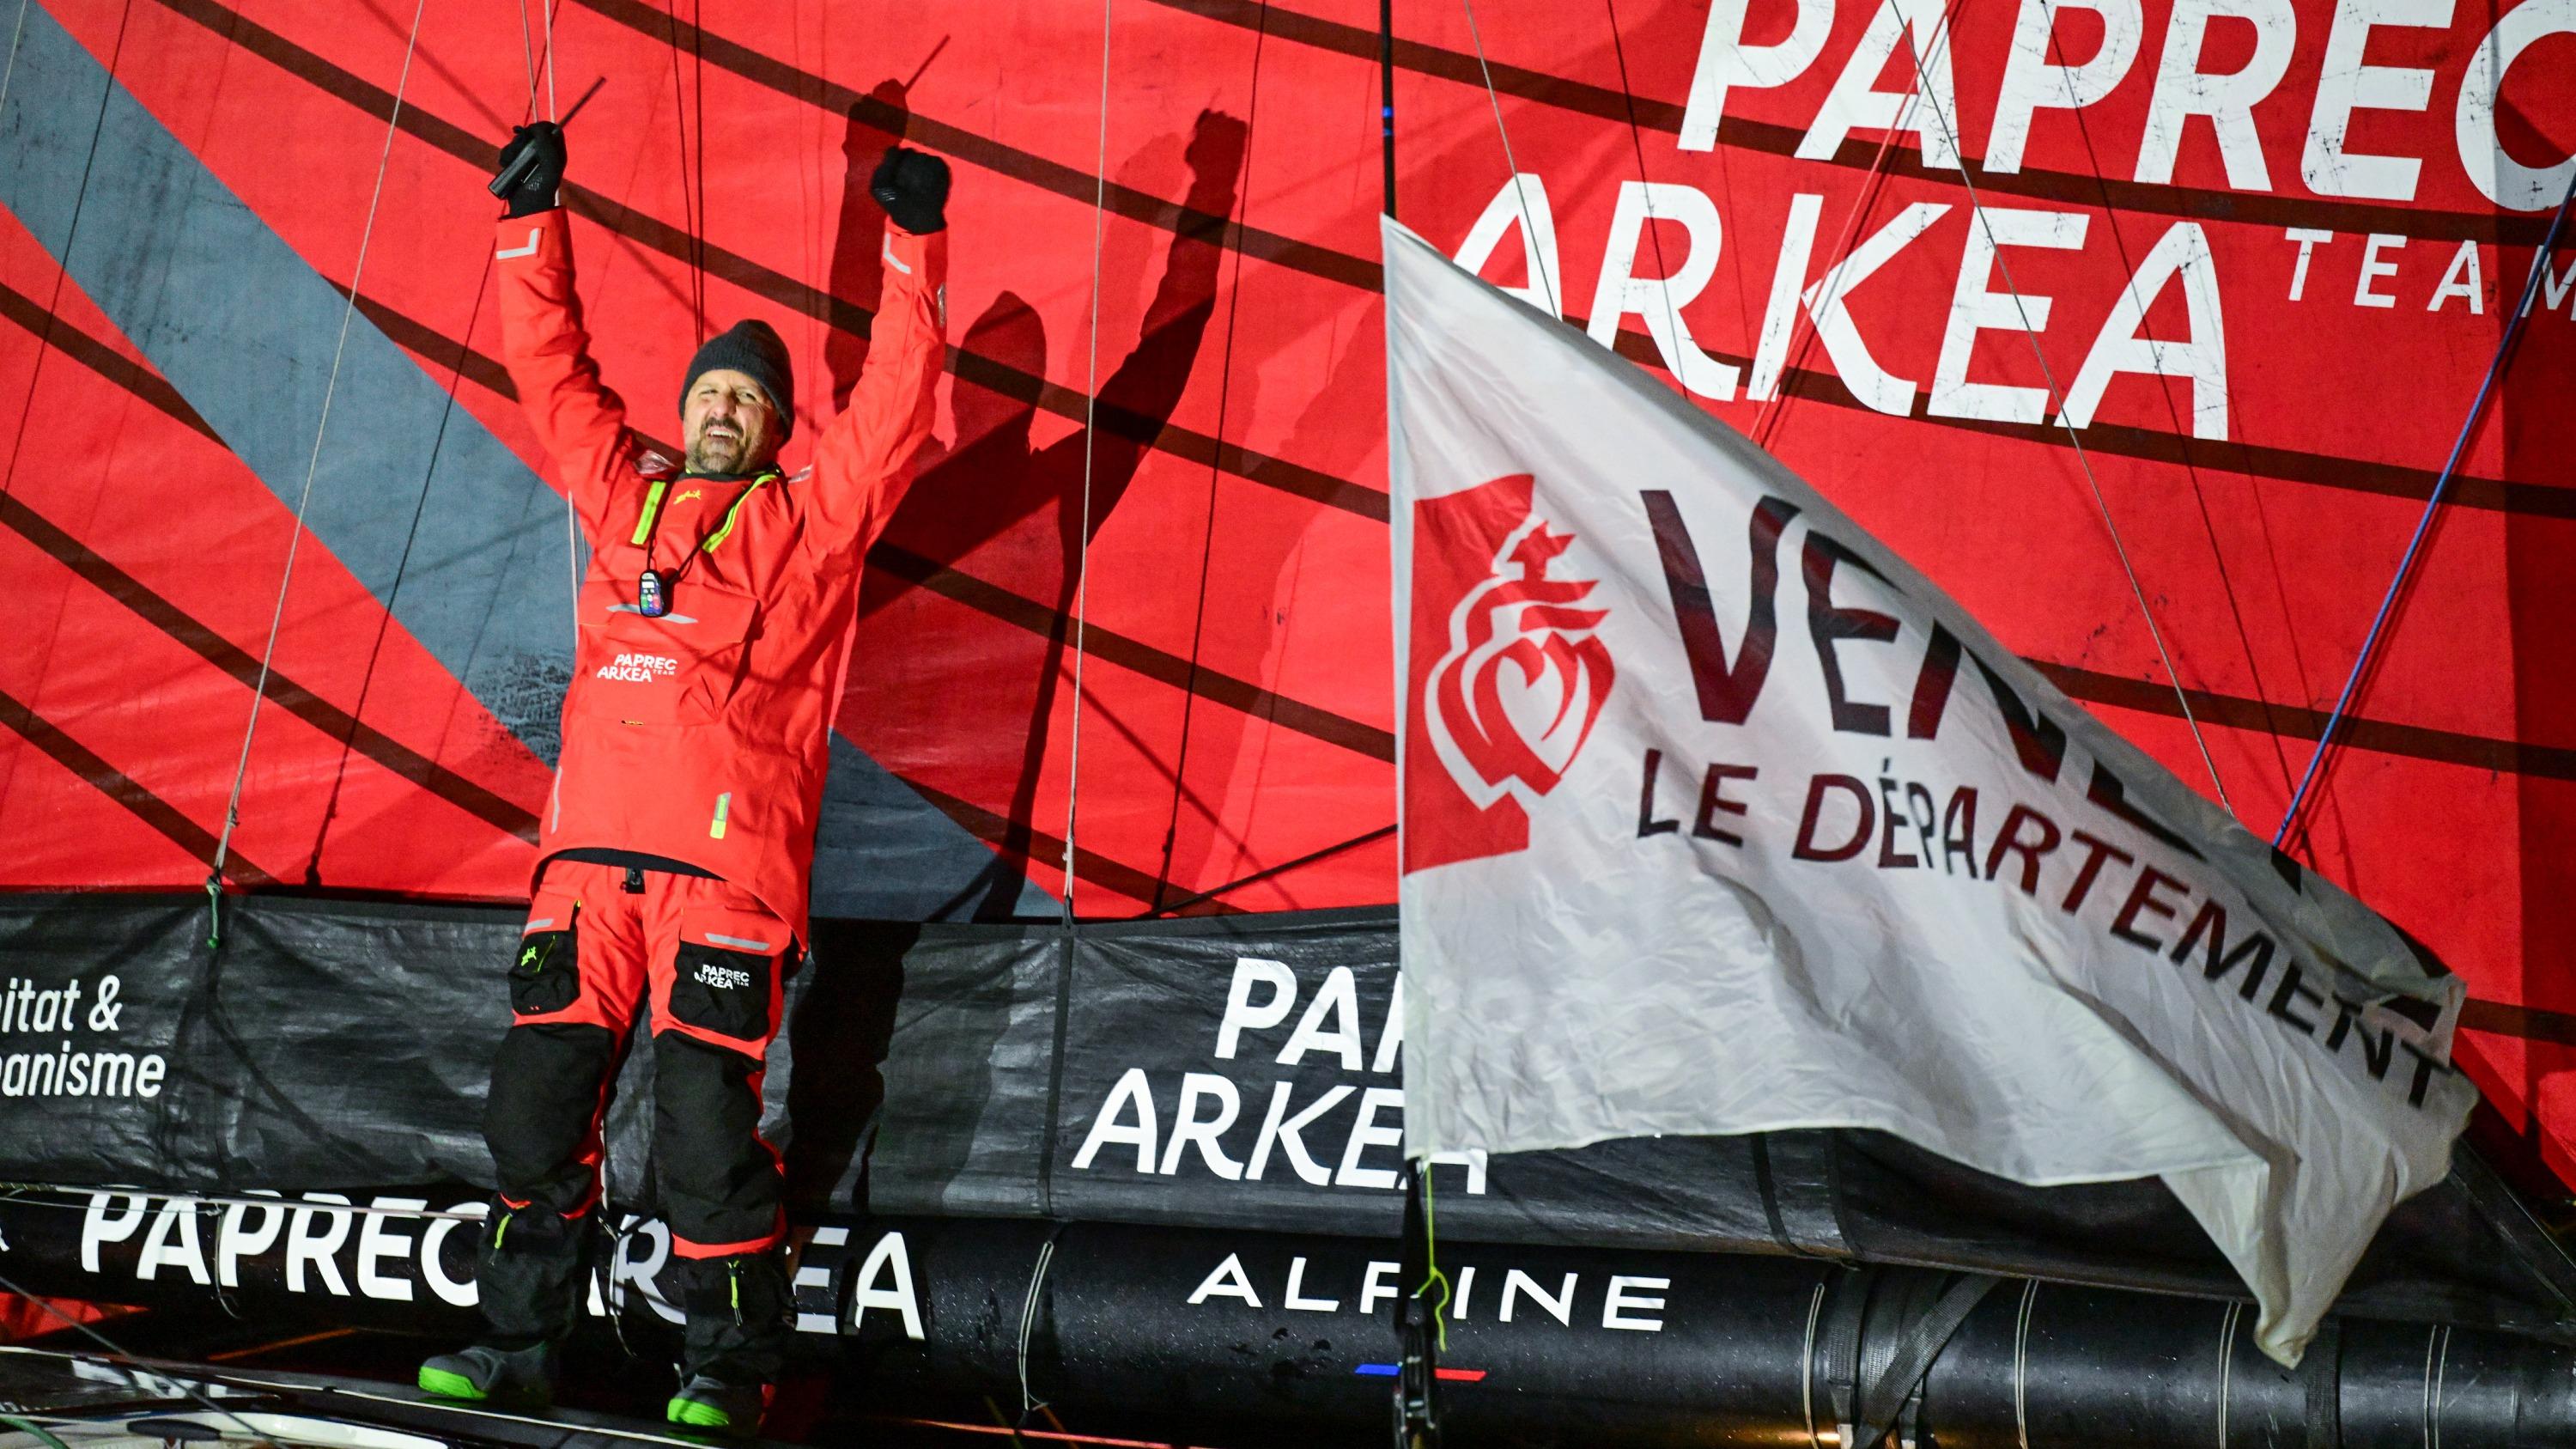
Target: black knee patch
{"x": 546, "y": 1085}
{"x": 719, "y": 1181}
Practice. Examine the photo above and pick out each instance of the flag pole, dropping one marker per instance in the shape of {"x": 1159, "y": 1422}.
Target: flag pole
{"x": 1386, "y": 95}
{"x": 1416, "y": 1315}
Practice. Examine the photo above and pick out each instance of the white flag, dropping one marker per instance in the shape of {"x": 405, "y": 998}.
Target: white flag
{"x": 1719, "y": 818}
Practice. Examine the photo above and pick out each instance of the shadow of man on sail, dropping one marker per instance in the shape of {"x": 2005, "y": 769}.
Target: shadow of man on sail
{"x": 858, "y": 256}
{"x": 996, "y": 477}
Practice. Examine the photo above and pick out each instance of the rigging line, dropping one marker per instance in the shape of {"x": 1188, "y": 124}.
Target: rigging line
{"x": 62, "y": 269}
{"x": 447, "y": 412}
{"x": 312, "y": 466}
{"x": 1269, "y": 873}
{"x": 572, "y": 524}
{"x": 2057, "y": 404}
{"x": 1090, "y": 432}
{"x": 80, "y": 200}
{"x": 2164, "y": 390}
{"x": 10, "y": 72}
{"x": 17, "y": 1194}
{"x": 113, "y": 1347}
{"x": 1802, "y": 329}
{"x": 689, "y": 219}
{"x": 1529, "y": 232}
{"x": 1241, "y": 213}
{"x": 2496, "y": 366}
{"x": 1664, "y": 278}
{"x": 1802, "y": 323}
{"x": 527, "y": 56}
{"x": 696, "y": 81}
{"x": 572, "y": 529}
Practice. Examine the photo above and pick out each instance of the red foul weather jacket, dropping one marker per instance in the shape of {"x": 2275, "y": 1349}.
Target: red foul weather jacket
{"x": 703, "y": 736}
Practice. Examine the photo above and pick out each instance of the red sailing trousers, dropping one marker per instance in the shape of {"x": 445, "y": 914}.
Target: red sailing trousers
{"x": 710, "y": 960}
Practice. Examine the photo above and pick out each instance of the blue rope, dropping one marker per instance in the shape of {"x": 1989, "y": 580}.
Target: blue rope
{"x": 2432, "y": 506}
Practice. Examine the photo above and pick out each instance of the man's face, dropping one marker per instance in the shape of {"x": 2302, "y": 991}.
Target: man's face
{"x": 728, "y": 423}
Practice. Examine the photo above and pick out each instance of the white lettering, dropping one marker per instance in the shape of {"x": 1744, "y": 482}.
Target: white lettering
{"x": 177, "y": 1213}
{"x": 1872, "y": 384}
{"x": 647, "y": 1246}
{"x": 1856, "y": 102}
{"x": 2554, "y": 285}
{"x": 1725, "y": 62}
{"x": 1658, "y": 302}
{"x": 2182, "y": 252}
{"x": 813, "y": 1276}
{"x": 2462, "y": 279}
{"x": 2182, "y": 91}
{"x": 1374, "y": 1287}
{"x": 1296, "y": 1299}
{"x": 639, "y": 668}
{"x": 2372, "y": 266}
{"x": 454, "y": 1292}
{"x": 1365, "y": 1134}
{"x": 377, "y": 1241}
{"x": 1188, "y": 1129}
{"x": 888, "y": 1257}
{"x": 1240, "y": 1013}
{"x": 305, "y": 1246}
{"x": 1339, "y": 999}
{"x": 722, "y": 977}
{"x": 1522, "y": 201}
{"x": 1390, "y": 1038}
{"x": 2345, "y": 85}
{"x": 2502, "y": 179}
{"x": 1780, "y": 312}
{"x": 1284, "y": 1131}
{"x": 2307, "y": 238}
{"x": 1228, "y": 1281}
{"x": 232, "y": 1244}
{"x": 97, "y": 1228}
{"x": 2031, "y": 81}
{"x": 1615, "y": 1307}
{"x": 1974, "y": 308}
{"x": 1132, "y": 1089}
{"x": 1560, "y": 1306}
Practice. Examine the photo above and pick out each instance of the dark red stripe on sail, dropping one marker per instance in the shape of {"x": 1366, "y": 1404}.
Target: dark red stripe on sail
{"x": 115, "y": 784}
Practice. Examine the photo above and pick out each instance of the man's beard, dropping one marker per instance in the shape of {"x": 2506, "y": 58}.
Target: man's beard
{"x": 718, "y": 453}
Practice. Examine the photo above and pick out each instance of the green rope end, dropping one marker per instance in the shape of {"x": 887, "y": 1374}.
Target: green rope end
{"x": 1431, "y": 1256}
{"x": 214, "y": 911}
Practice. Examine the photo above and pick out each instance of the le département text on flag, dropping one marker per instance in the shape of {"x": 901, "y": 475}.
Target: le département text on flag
{"x": 1718, "y": 817}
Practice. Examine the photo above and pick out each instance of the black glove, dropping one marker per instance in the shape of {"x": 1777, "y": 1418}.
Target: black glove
{"x": 543, "y": 143}
{"x": 912, "y": 186}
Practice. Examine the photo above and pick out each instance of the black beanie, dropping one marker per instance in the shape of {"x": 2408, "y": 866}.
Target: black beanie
{"x": 750, "y": 347}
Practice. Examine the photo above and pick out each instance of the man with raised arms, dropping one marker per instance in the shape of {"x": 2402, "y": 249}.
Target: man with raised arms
{"x": 716, "y": 625}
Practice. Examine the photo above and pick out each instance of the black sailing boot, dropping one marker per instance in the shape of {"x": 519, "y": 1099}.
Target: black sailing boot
{"x": 735, "y": 1343}
{"x": 528, "y": 1271}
